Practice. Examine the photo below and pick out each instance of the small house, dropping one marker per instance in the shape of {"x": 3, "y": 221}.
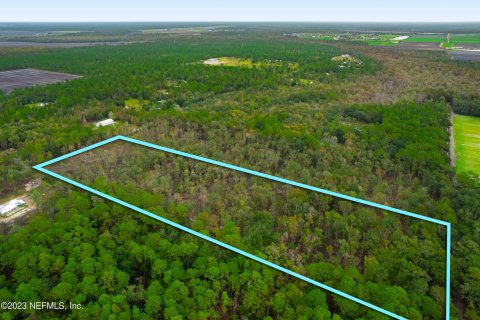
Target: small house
{"x": 9, "y": 208}
{"x": 104, "y": 123}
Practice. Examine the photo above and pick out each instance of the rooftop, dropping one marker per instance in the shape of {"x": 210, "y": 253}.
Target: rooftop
{"x": 103, "y": 123}
{"x": 10, "y": 206}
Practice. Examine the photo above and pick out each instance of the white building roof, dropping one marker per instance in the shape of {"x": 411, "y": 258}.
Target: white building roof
{"x": 104, "y": 123}
{"x": 9, "y": 206}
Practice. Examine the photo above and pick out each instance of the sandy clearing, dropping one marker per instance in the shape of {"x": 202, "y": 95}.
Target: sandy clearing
{"x": 30, "y": 207}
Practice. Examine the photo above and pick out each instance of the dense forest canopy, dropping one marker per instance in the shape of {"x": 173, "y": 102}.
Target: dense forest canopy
{"x": 377, "y": 130}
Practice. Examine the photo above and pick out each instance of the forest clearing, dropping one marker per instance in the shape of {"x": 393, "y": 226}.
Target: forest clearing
{"x": 27, "y": 208}
{"x": 244, "y": 63}
{"x": 23, "y": 78}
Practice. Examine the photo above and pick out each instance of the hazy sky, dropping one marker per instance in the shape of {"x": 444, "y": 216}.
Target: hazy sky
{"x": 240, "y": 10}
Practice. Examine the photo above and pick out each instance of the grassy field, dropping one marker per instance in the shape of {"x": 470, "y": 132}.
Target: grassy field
{"x": 467, "y": 38}
{"x": 426, "y": 39}
{"x": 373, "y": 39}
{"x": 134, "y": 103}
{"x": 448, "y": 45}
{"x": 382, "y": 43}
{"x": 234, "y": 62}
{"x": 467, "y": 143}
{"x": 245, "y": 63}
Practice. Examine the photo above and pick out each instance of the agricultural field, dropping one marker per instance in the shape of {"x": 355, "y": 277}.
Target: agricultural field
{"x": 373, "y": 39}
{"x": 465, "y": 55}
{"x": 427, "y": 38}
{"x": 466, "y": 39}
{"x": 181, "y": 31}
{"x": 382, "y": 43}
{"x": 467, "y": 143}
{"x": 23, "y": 78}
{"x": 411, "y": 41}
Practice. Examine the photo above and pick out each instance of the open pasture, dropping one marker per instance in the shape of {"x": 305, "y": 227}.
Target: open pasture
{"x": 427, "y": 38}
{"x": 467, "y": 143}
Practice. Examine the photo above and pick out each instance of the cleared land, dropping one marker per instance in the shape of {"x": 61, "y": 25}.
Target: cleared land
{"x": 470, "y": 46}
{"x": 17, "y": 44}
{"x": 184, "y": 31}
{"x": 419, "y": 45}
{"x": 382, "y": 43}
{"x": 22, "y": 212}
{"x": 465, "y": 55}
{"x": 33, "y": 44}
{"x": 23, "y": 78}
{"x": 244, "y": 63}
{"x": 467, "y": 143}
{"x": 432, "y": 39}
{"x": 466, "y": 38}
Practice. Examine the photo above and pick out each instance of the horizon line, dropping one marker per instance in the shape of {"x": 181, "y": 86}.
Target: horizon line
{"x": 240, "y": 21}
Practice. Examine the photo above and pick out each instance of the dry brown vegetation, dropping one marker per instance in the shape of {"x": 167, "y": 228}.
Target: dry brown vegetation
{"x": 409, "y": 75}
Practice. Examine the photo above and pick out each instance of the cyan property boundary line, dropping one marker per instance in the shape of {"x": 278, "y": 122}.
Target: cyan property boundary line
{"x": 41, "y": 167}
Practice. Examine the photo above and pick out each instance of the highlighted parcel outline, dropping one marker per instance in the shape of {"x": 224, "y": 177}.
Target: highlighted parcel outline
{"x": 41, "y": 168}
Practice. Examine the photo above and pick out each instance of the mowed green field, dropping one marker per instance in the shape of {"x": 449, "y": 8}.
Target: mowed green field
{"x": 433, "y": 38}
{"x": 467, "y": 143}
{"x": 467, "y": 38}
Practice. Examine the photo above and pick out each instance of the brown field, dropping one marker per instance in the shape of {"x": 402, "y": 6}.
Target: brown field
{"x": 419, "y": 45}
{"x": 469, "y": 46}
{"x": 465, "y": 55}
